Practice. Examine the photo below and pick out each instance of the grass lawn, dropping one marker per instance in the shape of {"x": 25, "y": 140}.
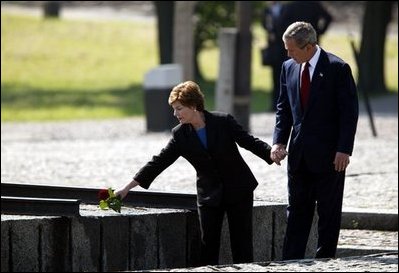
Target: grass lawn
{"x": 79, "y": 69}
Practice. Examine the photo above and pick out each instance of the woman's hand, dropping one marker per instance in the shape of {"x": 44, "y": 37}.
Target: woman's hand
{"x": 122, "y": 192}
{"x": 125, "y": 190}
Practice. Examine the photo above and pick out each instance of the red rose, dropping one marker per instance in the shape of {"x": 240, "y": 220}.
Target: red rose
{"x": 103, "y": 194}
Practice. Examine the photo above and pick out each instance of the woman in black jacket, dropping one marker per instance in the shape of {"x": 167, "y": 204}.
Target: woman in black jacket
{"x": 225, "y": 184}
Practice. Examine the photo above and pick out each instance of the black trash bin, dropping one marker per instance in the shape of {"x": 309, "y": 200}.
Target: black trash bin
{"x": 158, "y": 83}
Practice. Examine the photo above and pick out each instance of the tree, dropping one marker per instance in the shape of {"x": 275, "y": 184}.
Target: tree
{"x": 183, "y": 46}
{"x": 210, "y": 16}
{"x": 371, "y": 55}
{"x": 165, "y": 14}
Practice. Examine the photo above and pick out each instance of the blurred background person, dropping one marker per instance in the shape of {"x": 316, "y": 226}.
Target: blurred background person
{"x": 277, "y": 16}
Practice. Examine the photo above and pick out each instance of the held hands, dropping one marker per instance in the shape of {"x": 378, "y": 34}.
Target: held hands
{"x": 278, "y": 153}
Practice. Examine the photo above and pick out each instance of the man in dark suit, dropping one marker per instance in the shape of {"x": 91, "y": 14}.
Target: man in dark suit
{"x": 318, "y": 110}
{"x": 312, "y": 12}
{"x": 277, "y": 17}
{"x": 225, "y": 184}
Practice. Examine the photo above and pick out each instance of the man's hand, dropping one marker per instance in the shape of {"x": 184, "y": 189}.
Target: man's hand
{"x": 341, "y": 161}
{"x": 278, "y": 153}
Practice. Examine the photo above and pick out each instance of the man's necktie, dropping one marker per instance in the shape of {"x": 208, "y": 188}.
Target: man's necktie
{"x": 305, "y": 86}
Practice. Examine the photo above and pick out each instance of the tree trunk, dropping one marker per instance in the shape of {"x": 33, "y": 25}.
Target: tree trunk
{"x": 183, "y": 46}
{"x": 371, "y": 56}
{"x": 51, "y": 9}
{"x": 242, "y": 86}
{"x": 165, "y": 16}
{"x": 197, "y": 70}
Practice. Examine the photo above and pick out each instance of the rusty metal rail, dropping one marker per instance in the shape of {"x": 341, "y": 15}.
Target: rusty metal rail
{"x": 34, "y": 199}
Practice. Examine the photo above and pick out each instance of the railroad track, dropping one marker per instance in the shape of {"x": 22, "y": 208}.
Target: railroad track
{"x": 27, "y": 199}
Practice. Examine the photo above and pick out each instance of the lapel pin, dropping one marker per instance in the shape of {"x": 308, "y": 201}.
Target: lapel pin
{"x": 321, "y": 74}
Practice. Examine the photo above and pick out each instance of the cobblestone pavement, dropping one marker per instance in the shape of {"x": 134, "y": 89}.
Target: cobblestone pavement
{"x": 362, "y": 239}
{"x": 370, "y": 263}
{"x": 108, "y": 152}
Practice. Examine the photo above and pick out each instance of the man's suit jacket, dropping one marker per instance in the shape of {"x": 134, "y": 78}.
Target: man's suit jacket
{"x": 328, "y": 124}
{"x": 222, "y": 174}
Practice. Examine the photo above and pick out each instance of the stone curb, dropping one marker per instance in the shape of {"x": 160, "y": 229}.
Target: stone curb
{"x": 370, "y": 219}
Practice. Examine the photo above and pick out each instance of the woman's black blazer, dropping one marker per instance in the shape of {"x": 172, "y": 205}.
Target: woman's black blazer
{"x": 222, "y": 174}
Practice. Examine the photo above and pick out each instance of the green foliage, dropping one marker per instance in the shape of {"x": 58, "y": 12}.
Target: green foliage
{"x": 210, "y": 17}
{"x": 213, "y": 15}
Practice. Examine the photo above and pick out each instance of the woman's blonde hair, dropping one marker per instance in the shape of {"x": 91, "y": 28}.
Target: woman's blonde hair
{"x": 188, "y": 94}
